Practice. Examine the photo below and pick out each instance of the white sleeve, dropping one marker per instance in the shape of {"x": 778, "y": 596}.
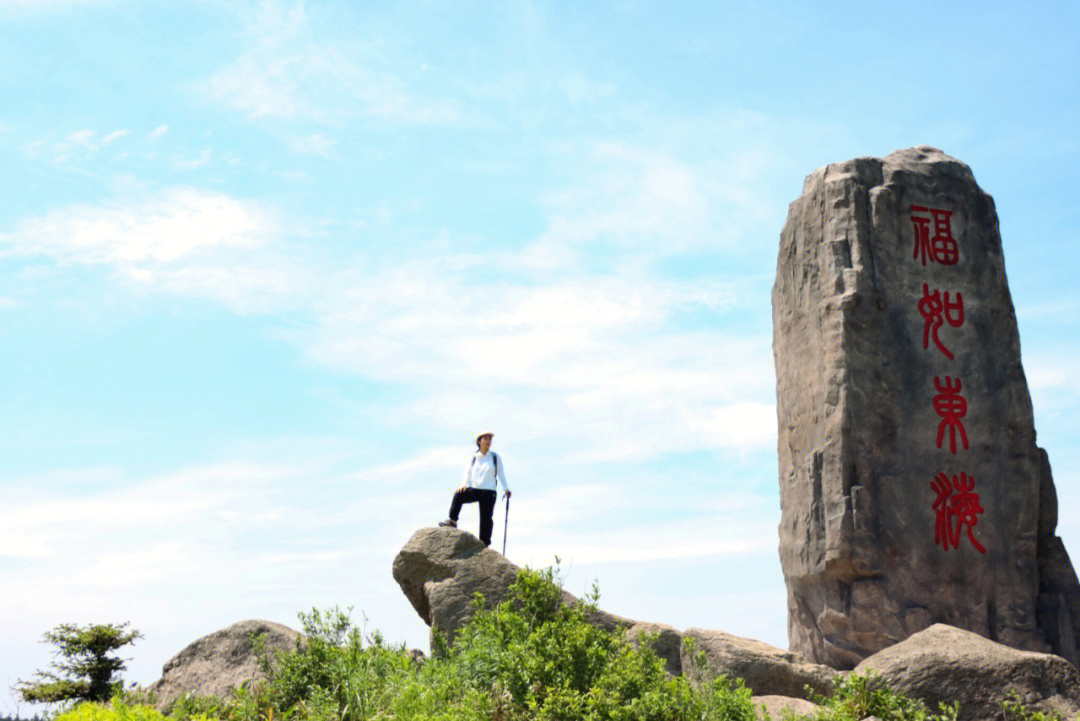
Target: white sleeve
{"x": 468, "y": 467}
{"x": 500, "y": 475}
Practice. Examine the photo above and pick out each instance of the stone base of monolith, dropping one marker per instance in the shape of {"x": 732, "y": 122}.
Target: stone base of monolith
{"x": 911, "y": 487}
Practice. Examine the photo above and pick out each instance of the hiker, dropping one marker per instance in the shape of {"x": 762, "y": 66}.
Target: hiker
{"x": 480, "y": 484}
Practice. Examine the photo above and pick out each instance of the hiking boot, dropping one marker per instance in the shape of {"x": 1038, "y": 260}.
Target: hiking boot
{"x": 448, "y": 523}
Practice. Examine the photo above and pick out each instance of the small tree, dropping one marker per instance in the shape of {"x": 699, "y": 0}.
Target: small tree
{"x": 84, "y": 669}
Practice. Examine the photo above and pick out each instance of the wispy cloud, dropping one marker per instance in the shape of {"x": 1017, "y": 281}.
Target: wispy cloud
{"x": 182, "y": 240}
{"x": 80, "y": 140}
{"x": 159, "y": 132}
{"x": 285, "y": 73}
{"x": 115, "y": 135}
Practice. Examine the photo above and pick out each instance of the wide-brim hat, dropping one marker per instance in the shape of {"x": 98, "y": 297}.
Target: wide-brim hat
{"x": 481, "y": 434}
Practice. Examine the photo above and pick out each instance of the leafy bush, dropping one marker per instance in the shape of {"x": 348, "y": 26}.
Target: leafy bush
{"x": 116, "y": 710}
{"x": 857, "y": 696}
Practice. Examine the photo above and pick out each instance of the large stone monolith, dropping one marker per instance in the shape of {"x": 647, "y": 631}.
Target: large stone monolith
{"x": 912, "y": 490}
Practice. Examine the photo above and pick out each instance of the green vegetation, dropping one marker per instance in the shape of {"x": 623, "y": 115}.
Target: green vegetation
{"x": 528, "y": 659}
{"x": 1013, "y": 710}
{"x": 856, "y": 697}
{"x": 531, "y": 657}
{"x": 85, "y": 669}
{"x": 117, "y": 710}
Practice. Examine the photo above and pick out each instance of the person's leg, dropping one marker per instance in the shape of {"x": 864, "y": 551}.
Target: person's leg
{"x": 487, "y": 511}
{"x": 465, "y": 495}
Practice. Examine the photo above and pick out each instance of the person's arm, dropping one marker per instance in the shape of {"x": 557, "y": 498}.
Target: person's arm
{"x": 500, "y": 476}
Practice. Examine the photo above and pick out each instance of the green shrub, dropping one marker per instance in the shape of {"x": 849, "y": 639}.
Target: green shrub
{"x": 116, "y": 710}
{"x": 857, "y": 696}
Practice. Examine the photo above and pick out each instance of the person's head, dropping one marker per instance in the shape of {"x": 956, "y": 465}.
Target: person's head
{"x": 483, "y": 441}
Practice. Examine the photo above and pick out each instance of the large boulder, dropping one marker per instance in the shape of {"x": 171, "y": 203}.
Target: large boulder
{"x": 440, "y": 571}
{"x": 767, "y": 670}
{"x": 943, "y": 664}
{"x": 221, "y": 661}
{"x": 911, "y": 488}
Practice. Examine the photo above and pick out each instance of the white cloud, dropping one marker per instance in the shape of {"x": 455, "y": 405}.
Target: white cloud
{"x": 286, "y": 73}
{"x": 115, "y": 135}
{"x": 78, "y": 141}
{"x": 159, "y": 132}
{"x": 159, "y": 230}
{"x": 182, "y": 240}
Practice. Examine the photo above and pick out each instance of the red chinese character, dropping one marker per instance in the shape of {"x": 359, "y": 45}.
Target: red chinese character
{"x": 956, "y": 510}
{"x": 939, "y": 248}
{"x": 936, "y": 313}
{"x": 951, "y": 406}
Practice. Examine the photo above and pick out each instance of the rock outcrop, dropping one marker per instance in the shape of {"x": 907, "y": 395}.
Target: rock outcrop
{"x": 767, "y": 670}
{"x": 441, "y": 569}
{"x": 219, "y": 662}
{"x": 912, "y": 490}
{"x": 944, "y": 664}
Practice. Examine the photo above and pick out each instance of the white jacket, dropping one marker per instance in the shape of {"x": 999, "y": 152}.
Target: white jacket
{"x": 480, "y": 474}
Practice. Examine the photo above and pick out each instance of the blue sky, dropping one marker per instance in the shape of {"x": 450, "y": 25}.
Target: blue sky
{"x": 266, "y": 267}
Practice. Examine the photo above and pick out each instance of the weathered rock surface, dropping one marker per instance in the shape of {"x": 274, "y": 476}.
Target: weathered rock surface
{"x": 775, "y": 706}
{"x": 767, "y": 670}
{"x": 441, "y": 569}
{"x": 898, "y": 366}
{"x": 219, "y": 662}
{"x": 944, "y": 664}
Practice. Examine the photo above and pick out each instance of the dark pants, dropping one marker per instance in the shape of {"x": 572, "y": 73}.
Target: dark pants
{"x": 486, "y": 499}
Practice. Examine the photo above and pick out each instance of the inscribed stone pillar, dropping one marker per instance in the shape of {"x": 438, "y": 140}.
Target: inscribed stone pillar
{"x": 911, "y": 488}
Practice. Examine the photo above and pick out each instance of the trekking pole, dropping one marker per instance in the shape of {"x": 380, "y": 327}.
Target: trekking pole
{"x": 506, "y": 522}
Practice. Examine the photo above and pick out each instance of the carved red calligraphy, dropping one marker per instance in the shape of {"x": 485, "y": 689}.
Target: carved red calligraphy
{"x": 937, "y": 312}
{"x": 952, "y": 407}
{"x": 957, "y": 506}
{"x": 941, "y": 247}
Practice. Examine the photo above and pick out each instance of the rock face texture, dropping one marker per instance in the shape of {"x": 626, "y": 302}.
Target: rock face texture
{"x": 767, "y": 670}
{"x": 441, "y": 569}
{"x": 912, "y": 490}
{"x": 219, "y": 662}
{"x": 944, "y": 664}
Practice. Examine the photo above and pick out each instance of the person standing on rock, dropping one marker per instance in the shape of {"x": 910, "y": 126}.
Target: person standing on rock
{"x": 480, "y": 484}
